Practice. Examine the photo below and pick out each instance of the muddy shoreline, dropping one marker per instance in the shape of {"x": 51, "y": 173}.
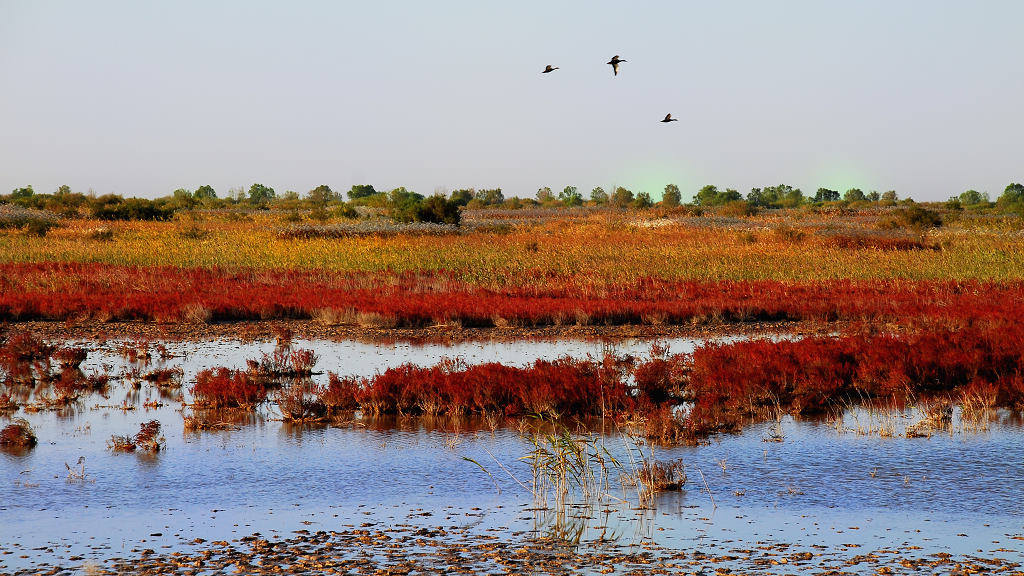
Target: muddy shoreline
{"x": 309, "y": 330}
{"x": 409, "y": 549}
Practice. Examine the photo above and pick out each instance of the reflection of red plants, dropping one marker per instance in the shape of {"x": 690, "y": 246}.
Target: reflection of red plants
{"x": 225, "y": 388}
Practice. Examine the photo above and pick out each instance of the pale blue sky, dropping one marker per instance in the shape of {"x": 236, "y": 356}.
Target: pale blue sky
{"x": 141, "y": 97}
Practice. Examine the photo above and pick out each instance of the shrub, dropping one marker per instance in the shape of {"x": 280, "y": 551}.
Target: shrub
{"x": 148, "y": 439}
{"x": 300, "y": 403}
{"x": 226, "y": 388}
{"x": 18, "y": 434}
{"x": 914, "y": 217}
{"x": 341, "y": 393}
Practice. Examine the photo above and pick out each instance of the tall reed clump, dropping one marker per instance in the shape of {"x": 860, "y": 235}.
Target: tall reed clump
{"x": 18, "y": 435}
{"x": 564, "y": 463}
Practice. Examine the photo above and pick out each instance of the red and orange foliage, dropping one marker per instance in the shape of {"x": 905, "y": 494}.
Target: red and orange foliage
{"x": 728, "y": 382}
{"x": 147, "y": 439}
{"x": 22, "y": 354}
{"x": 17, "y": 435}
{"x": 226, "y": 388}
{"x": 71, "y": 383}
{"x": 26, "y": 361}
{"x": 563, "y": 387}
{"x": 724, "y": 384}
{"x": 68, "y": 291}
{"x": 71, "y": 357}
{"x": 284, "y": 362}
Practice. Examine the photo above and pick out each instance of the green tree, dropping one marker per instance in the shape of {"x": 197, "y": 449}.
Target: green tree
{"x": 205, "y": 192}
{"x": 183, "y": 198}
{"x": 789, "y": 197}
{"x": 598, "y": 195}
{"x": 321, "y": 195}
{"x": 826, "y": 195}
{"x": 973, "y": 198}
{"x": 671, "y": 197}
{"x": 570, "y": 197}
{"x": 643, "y": 200}
{"x": 545, "y": 195}
{"x": 22, "y": 193}
{"x": 622, "y": 197}
{"x": 1012, "y": 194}
{"x": 730, "y": 195}
{"x": 782, "y": 195}
{"x": 490, "y": 196}
{"x": 404, "y": 205}
{"x": 463, "y": 196}
{"x": 439, "y": 210}
{"x": 361, "y": 191}
{"x": 706, "y": 196}
{"x": 873, "y": 196}
{"x": 260, "y": 195}
{"x": 889, "y": 198}
{"x": 854, "y": 195}
{"x": 710, "y": 195}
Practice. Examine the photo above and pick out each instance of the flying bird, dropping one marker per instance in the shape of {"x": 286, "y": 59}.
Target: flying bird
{"x": 615, "y": 64}
{"x": 669, "y": 118}
{"x": 549, "y": 68}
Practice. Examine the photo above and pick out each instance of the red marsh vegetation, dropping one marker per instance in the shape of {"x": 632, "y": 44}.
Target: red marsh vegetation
{"x": 75, "y": 291}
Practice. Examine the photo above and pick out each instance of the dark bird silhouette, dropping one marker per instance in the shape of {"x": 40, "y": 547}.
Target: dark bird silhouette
{"x": 669, "y": 118}
{"x": 549, "y": 68}
{"x": 615, "y": 63}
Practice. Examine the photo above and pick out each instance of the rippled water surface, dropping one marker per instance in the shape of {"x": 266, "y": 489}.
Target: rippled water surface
{"x": 822, "y": 485}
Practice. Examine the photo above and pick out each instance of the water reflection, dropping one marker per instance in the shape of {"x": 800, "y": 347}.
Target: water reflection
{"x": 797, "y": 481}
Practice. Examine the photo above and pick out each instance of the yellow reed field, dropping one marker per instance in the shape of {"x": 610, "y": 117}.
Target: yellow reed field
{"x": 592, "y": 251}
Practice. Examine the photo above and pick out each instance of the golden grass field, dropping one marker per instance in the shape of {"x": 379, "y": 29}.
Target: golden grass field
{"x": 593, "y": 249}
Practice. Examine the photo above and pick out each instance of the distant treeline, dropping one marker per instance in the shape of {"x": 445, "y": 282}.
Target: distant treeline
{"x": 406, "y": 206}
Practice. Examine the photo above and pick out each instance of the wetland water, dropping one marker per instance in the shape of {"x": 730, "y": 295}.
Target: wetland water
{"x": 825, "y": 489}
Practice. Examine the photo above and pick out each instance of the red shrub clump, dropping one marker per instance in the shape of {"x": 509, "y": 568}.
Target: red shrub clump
{"x": 226, "y": 388}
{"x": 18, "y": 434}
{"x": 147, "y": 439}
{"x": 732, "y": 381}
{"x": 563, "y": 386}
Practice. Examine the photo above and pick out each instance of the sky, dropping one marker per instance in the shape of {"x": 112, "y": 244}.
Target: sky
{"x": 139, "y": 98}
